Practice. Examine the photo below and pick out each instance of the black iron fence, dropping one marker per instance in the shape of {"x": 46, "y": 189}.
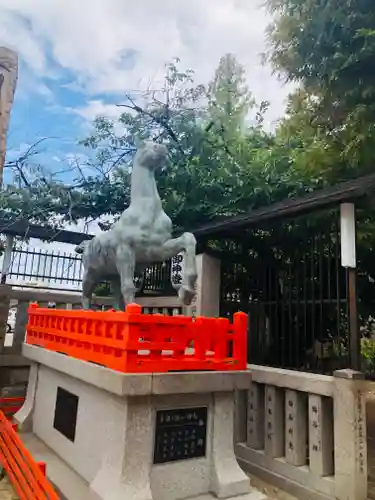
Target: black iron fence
{"x": 61, "y": 269}
{"x": 290, "y": 281}
{"x": 64, "y": 270}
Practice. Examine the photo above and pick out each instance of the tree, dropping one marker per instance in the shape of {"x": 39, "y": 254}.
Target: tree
{"x": 229, "y": 98}
{"x": 327, "y": 47}
{"x": 220, "y": 163}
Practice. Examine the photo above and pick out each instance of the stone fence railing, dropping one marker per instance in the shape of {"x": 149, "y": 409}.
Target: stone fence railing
{"x": 14, "y": 368}
{"x": 19, "y": 299}
{"x": 305, "y": 433}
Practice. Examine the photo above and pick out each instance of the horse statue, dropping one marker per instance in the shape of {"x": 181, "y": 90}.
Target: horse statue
{"x": 141, "y": 236}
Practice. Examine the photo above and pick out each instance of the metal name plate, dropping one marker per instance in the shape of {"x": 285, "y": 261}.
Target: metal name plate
{"x": 180, "y": 434}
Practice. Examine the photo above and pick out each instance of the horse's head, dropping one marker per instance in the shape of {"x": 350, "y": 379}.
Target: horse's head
{"x": 151, "y": 155}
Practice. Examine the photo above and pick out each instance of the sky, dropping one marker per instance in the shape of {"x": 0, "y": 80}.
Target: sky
{"x": 78, "y": 58}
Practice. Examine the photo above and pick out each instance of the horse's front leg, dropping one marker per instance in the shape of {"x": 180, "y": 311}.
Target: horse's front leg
{"x": 125, "y": 262}
{"x": 185, "y": 243}
{"x": 89, "y": 282}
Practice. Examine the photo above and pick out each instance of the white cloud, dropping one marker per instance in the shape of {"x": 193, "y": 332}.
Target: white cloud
{"x": 73, "y": 158}
{"x": 14, "y": 153}
{"x": 116, "y": 45}
{"x": 98, "y": 108}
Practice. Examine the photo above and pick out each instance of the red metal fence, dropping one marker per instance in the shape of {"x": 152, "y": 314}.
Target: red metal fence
{"x": 10, "y": 406}
{"x": 134, "y": 342}
{"x": 27, "y": 477}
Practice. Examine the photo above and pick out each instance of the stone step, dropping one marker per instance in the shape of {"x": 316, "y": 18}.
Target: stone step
{"x": 72, "y": 487}
{"x": 14, "y": 390}
{"x": 68, "y": 483}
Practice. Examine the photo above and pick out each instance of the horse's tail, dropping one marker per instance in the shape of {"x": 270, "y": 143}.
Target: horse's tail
{"x": 81, "y": 247}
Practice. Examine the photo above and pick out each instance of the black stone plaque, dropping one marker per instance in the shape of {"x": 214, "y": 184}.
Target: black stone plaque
{"x": 66, "y": 409}
{"x": 180, "y": 434}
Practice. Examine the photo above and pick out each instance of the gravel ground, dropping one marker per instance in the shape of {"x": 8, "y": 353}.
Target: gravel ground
{"x": 6, "y": 492}
{"x": 271, "y": 492}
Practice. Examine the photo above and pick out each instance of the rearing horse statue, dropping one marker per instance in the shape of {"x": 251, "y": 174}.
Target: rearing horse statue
{"x": 141, "y": 236}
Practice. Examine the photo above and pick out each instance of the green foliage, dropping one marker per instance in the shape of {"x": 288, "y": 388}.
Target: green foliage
{"x": 328, "y": 47}
{"x": 368, "y": 356}
{"x": 221, "y": 162}
{"x": 229, "y": 99}
{"x": 103, "y": 290}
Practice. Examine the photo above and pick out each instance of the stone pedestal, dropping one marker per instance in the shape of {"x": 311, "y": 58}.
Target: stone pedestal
{"x": 134, "y": 437}
{"x": 350, "y": 435}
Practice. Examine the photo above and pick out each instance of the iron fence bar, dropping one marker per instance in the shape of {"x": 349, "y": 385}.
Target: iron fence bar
{"x": 63, "y": 268}
{"x": 300, "y": 324}
{"x": 354, "y": 337}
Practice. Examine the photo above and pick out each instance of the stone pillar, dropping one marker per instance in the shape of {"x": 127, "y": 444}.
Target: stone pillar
{"x": 4, "y": 312}
{"x": 24, "y": 416}
{"x": 256, "y": 417}
{"x": 7, "y": 259}
{"x": 207, "y": 299}
{"x": 321, "y": 442}
{"x": 8, "y": 82}
{"x": 350, "y": 436}
{"x": 240, "y": 416}
{"x": 125, "y": 471}
{"x": 295, "y": 427}
{"x": 20, "y": 326}
{"x": 227, "y": 479}
{"x": 274, "y": 422}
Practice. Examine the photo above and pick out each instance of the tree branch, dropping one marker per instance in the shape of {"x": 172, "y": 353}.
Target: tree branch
{"x": 159, "y": 120}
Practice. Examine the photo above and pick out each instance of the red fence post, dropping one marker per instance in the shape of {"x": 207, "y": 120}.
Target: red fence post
{"x": 43, "y": 467}
{"x": 240, "y": 325}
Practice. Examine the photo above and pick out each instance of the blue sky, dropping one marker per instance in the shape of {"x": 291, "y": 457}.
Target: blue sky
{"x": 49, "y": 111}
{"x": 77, "y": 58}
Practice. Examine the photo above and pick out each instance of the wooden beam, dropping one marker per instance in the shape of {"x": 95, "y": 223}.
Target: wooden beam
{"x": 24, "y": 229}
{"x": 317, "y": 200}
{"x": 324, "y": 198}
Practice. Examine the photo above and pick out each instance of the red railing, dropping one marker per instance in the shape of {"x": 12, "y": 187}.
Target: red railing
{"x": 10, "y": 406}
{"x": 134, "y": 342}
{"x": 27, "y": 477}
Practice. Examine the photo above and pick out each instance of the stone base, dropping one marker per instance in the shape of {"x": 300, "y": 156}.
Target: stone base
{"x": 111, "y": 449}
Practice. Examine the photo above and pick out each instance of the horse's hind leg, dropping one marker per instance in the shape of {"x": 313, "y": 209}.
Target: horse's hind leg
{"x": 118, "y": 301}
{"x": 185, "y": 243}
{"x": 88, "y": 286}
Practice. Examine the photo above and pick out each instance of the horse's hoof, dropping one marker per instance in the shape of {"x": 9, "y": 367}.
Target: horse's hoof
{"x": 186, "y": 295}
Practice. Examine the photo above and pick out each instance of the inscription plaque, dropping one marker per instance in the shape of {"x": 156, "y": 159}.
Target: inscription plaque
{"x": 66, "y": 409}
{"x": 180, "y": 434}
